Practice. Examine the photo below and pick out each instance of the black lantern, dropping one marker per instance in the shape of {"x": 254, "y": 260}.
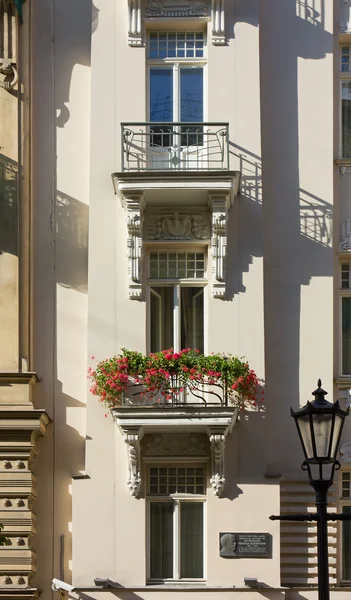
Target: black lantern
{"x": 320, "y": 424}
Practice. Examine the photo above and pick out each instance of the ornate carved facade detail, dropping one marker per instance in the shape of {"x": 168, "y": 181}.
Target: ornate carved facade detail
{"x": 345, "y": 236}
{"x": 345, "y": 453}
{"x": 134, "y": 28}
{"x": 217, "y": 480}
{"x": 220, "y": 205}
{"x": 177, "y": 8}
{"x": 175, "y": 444}
{"x": 132, "y": 439}
{"x": 134, "y": 206}
{"x": 218, "y": 23}
{"x": 177, "y": 226}
{"x": 20, "y": 427}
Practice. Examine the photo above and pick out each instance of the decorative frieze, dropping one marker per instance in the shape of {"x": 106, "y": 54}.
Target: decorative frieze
{"x": 345, "y": 236}
{"x": 175, "y": 444}
{"x": 134, "y": 28}
{"x": 345, "y": 453}
{"x": 219, "y": 204}
{"x": 177, "y": 226}
{"x": 134, "y": 206}
{"x": 177, "y": 8}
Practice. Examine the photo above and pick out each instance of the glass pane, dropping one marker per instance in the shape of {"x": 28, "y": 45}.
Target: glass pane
{"x": 346, "y": 545}
{"x": 161, "y": 318}
{"x": 161, "y": 540}
{"x": 191, "y": 539}
{"x": 346, "y": 336}
{"x": 191, "y": 94}
{"x": 304, "y": 426}
{"x": 322, "y": 425}
{"x": 346, "y": 119}
{"x": 192, "y": 318}
{"x": 336, "y": 434}
{"x": 161, "y": 95}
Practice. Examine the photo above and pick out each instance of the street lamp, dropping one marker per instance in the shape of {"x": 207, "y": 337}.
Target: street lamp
{"x": 319, "y": 424}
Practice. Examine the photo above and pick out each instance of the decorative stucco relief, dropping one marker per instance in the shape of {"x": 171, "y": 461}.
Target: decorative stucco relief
{"x": 134, "y": 27}
{"x": 132, "y": 439}
{"x": 345, "y": 453}
{"x": 217, "y": 480}
{"x": 345, "y": 236}
{"x": 177, "y": 227}
{"x": 220, "y": 204}
{"x": 134, "y": 204}
{"x": 177, "y": 8}
{"x": 175, "y": 444}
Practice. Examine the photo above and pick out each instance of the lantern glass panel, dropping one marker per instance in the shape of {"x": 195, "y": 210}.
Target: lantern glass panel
{"x": 322, "y": 426}
{"x": 303, "y": 424}
{"x": 337, "y": 428}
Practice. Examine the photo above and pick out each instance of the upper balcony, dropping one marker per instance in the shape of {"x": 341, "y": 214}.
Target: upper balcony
{"x": 190, "y": 147}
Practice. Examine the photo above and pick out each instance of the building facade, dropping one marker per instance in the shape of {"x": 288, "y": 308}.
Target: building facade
{"x": 171, "y": 171}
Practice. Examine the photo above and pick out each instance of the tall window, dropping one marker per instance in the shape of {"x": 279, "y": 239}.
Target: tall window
{"x": 176, "y": 301}
{"x": 176, "y": 540}
{"x": 345, "y": 285}
{"x": 176, "y": 84}
{"x": 346, "y": 526}
{"x": 345, "y": 69}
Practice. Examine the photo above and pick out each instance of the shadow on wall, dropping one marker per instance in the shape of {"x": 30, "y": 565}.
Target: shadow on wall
{"x": 73, "y": 48}
{"x": 8, "y": 205}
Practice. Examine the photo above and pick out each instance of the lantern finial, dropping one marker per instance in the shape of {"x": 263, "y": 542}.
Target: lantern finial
{"x": 319, "y": 383}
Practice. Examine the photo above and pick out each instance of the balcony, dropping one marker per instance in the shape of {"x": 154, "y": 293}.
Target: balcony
{"x": 190, "y": 147}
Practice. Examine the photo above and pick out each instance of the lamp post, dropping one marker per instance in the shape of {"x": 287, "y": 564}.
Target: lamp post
{"x": 319, "y": 424}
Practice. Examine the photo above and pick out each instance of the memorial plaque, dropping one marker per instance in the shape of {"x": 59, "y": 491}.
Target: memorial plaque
{"x": 245, "y": 545}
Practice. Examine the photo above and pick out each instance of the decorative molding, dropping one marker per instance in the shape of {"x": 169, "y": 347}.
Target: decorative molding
{"x": 177, "y": 8}
{"x": 134, "y": 204}
{"x": 345, "y": 236}
{"x": 177, "y": 226}
{"x": 220, "y": 204}
{"x": 218, "y": 23}
{"x": 175, "y": 444}
{"x": 345, "y": 452}
{"x": 345, "y": 23}
{"x": 217, "y": 441}
{"x": 132, "y": 439}
{"x": 134, "y": 28}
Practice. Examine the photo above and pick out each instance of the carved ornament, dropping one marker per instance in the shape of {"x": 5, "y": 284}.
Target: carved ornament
{"x": 175, "y": 444}
{"x": 177, "y": 227}
{"x": 217, "y": 480}
{"x": 132, "y": 439}
{"x": 134, "y": 204}
{"x": 345, "y": 236}
{"x": 345, "y": 452}
{"x": 177, "y": 8}
{"x": 220, "y": 204}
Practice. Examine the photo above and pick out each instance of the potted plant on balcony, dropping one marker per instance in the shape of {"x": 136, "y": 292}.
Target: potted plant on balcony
{"x": 170, "y": 377}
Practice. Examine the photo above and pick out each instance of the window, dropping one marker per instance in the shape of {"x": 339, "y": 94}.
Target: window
{"x": 176, "y": 530}
{"x": 177, "y": 305}
{"x": 345, "y": 285}
{"x": 176, "y": 86}
{"x": 345, "y": 68}
{"x": 346, "y": 526}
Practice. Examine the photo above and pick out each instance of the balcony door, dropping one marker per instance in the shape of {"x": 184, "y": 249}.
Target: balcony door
{"x": 176, "y": 96}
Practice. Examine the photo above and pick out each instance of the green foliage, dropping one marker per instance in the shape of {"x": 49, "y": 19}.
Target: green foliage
{"x": 167, "y": 373}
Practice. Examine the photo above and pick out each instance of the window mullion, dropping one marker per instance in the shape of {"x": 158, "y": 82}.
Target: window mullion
{"x": 176, "y": 92}
{"x": 176, "y": 540}
{"x": 176, "y": 318}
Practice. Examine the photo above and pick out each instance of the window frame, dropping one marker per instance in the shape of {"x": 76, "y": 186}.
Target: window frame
{"x": 176, "y": 284}
{"x": 176, "y": 64}
{"x": 343, "y": 293}
{"x": 176, "y": 500}
{"x": 342, "y": 502}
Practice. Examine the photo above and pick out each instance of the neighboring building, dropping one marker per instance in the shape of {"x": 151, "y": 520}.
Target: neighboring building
{"x": 230, "y": 234}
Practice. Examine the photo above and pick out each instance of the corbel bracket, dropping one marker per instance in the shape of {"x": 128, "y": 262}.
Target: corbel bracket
{"x": 217, "y": 441}
{"x": 345, "y": 236}
{"x": 133, "y": 438}
{"x": 218, "y": 23}
{"x": 134, "y": 27}
{"x": 134, "y": 204}
{"x": 219, "y": 205}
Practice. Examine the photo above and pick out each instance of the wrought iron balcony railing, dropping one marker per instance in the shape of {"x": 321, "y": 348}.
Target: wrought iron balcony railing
{"x": 175, "y": 146}
{"x": 194, "y": 393}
